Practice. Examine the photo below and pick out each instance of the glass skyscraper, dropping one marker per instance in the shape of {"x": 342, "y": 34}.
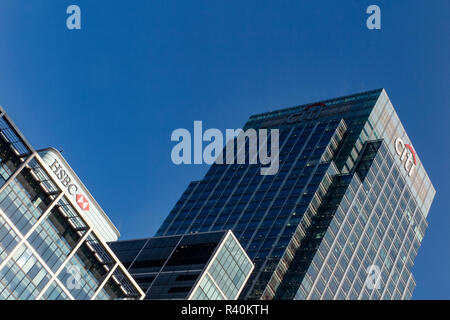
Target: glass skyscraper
{"x": 198, "y": 266}
{"x": 342, "y": 219}
{"x": 52, "y": 232}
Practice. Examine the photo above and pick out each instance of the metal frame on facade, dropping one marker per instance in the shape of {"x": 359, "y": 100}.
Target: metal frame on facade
{"x": 56, "y": 197}
{"x": 205, "y": 270}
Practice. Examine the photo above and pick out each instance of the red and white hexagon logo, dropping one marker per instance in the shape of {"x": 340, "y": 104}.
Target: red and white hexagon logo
{"x": 82, "y": 202}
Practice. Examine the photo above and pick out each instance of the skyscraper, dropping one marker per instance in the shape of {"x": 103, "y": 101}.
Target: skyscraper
{"x": 342, "y": 219}
{"x": 52, "y": 231}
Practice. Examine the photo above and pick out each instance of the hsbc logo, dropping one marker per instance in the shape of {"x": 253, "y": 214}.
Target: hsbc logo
{"x": 406, "y": 154}
{"x": 82, "y": 202}
{"x": 310, "y": 112}
{"x": 71, "y": 187}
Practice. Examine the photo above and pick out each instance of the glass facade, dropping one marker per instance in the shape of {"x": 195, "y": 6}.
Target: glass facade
{"x": 226, "y": 274}
{"x": 48, "y": 250}
{"x": 202, "y": 266}
{"x": 369, "y": 219}
{"x": 344, "y": 200}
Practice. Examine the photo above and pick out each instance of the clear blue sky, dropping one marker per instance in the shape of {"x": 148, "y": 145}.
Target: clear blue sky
{"x": 111, "y": 93}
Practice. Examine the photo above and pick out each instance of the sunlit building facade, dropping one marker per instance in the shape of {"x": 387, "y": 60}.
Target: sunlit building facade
{"x": 52, "y": 232}
{"x": 342, "y": 219}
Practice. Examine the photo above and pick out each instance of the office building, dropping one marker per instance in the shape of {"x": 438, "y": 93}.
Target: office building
{"x": 52, "y": 232}
{"x": 200, "y": 266}
{"x": 342, "y": 219}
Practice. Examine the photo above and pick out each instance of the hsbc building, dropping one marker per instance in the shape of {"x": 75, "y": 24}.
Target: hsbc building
{"x": 53, "y": 233}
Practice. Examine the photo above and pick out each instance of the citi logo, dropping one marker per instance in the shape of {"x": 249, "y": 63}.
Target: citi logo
{"x": 310, "y": 112}
{"x": 407, "y": 155}
{"x": 71, "y": 187}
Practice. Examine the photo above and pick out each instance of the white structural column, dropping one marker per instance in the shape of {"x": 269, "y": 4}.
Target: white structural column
{"x": 217, "y": 286}
{"x": 100, "y": 287}
{"x": 50, "y": 272}
{"x": 63, "y": 265}
{"x": 17, "y": 171}
{"x": 28, "y": 234}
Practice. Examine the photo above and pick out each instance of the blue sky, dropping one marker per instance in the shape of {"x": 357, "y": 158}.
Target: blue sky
{"x": 111, "y": 94}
